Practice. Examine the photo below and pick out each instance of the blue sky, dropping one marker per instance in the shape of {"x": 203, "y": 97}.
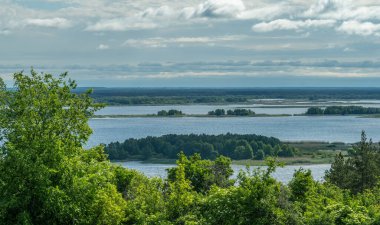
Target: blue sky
{"x": 216, "y": 43}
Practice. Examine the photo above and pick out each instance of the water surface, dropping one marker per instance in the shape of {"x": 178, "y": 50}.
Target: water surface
{"x": 294, "y": 128}
{"x": 284, "y": 174}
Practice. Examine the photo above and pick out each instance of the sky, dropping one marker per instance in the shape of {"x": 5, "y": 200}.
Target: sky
{"x": 194, "y": 43}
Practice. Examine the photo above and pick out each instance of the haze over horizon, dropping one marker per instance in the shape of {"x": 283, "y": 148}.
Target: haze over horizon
{"x": 194, "y": 43}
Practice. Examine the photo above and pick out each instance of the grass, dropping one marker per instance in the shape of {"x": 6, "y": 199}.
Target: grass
{"x": 313, "y": 146}
{"x": 301, "y": 160}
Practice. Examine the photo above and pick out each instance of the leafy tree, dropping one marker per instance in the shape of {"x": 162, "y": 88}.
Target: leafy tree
{"x": 181, "y": 197}
{"x": 171, "y": 112}
{"x": 45, "y": 175}
{"x": 286, "y": 151}
{"x": 217, "y": 112}
{"x": 314, "y": 111}
{"x": 301, "y": 183}
{"x": 243, "y": 152}
{"x": 240, "y": 112}
{"x": 360, "y": 171}
{"x": 253, "y": 201}
{"x": 146, "y": 200}
{"x": 260, "y": 155}
{"x": 340, "y": 172}
{"x": 202, "y": 174}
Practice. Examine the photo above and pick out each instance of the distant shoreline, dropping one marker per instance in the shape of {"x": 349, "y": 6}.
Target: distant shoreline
{"x": 375, "y": 116}
{"x": 186, "y": 115}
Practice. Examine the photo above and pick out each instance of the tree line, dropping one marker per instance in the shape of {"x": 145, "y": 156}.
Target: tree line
{"x": 342, "y": 110}
{"x": 47, "y": 177}
{"x": 230, "y": 112}
{"x": 235, "y": 146}
{"x": 171, "y": 112}
{"x": 160, "y": 96}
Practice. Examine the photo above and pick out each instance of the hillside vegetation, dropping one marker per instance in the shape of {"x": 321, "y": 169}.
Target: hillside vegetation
{"x": 47, "y": 177}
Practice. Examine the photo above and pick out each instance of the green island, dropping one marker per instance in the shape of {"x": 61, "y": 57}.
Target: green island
{"x": 48, "y": 177}
{"x": 343, "y": 110}
{"x": 230, "y": 112}
{"x": 242, "y": 149}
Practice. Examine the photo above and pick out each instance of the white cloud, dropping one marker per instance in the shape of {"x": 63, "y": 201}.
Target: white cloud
{"x": 323, "y": 6}
{"x": 163, "y": 11}
{"x": 348, "y": 49}
{"x": 56, "y": 22}
{"x": 343, "y": 10}
{"x": 214, "y": 9}
{"x": 4, "y": 32}
{"x": 103, "y": 47}
{"x": 160, "y": 16}
{"x": 150, "y": 43}
{"x": 220, "y": 8}
{"x": 285, "y": 24}
{"x": 359, "y": 28}
{"x": 266, "y": 12}
{"x": 120, "y": 25}
{"x": 159, "y": 42}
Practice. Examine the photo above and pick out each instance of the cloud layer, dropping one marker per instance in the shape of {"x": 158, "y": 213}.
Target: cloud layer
{"x": 146, "y": 39}
{"x": 266, "y": 16}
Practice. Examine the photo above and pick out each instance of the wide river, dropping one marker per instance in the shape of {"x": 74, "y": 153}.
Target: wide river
{"x": 294, "y": 128}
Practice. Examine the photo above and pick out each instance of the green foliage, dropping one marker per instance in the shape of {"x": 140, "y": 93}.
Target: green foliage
{"x": 217, "y": 112}
{"x": 240, "y": 112}
{"x": 243, "y": 152}
{"x": 45, "y": 175}
{"x": 342, "y": 110}
{"x": 360, "y": 171}
{"x": 235, "y": 112}
{"x": 181, "y": 197}
{"x": 301, "y": 183}
{"x": 260, "y": 155}
{"x": 146, "y": 201}
{"x": 171, "y": 112}
{"x": 253, "y": 201}
{"x": 170, "y": 96}
{"x": 202, "y": 174}
{"x": 314, "y": 111}
{"x": 234, "y": 146}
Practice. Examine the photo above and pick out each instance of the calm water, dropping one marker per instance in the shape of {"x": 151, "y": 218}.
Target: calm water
{"x": 295, "y": 128}
{"x": 204, "y": 109}
{"x": 284, "y": 174}
{"x": 194, "y": 109}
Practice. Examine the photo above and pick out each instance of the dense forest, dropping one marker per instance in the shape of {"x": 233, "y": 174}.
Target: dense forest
{"x": 342, "y": 110}
{"x": 47, "y": 177}
{"x": 169, "y": 96}
{"x": 234, "y": 146}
